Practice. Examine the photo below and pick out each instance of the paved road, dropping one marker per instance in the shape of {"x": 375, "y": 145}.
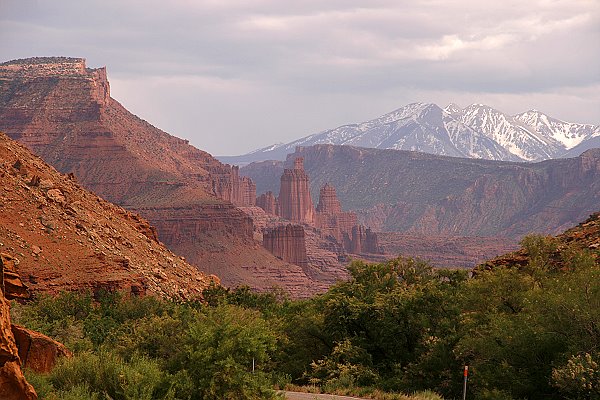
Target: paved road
{"x": 312, "y": 396}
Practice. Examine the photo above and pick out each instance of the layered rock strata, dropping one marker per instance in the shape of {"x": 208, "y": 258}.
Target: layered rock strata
{"x": 425, "y": 194}
{"x": 10, "y": 281}
{"x": 287, "y": 243}
{"x": 63, "y": 111}
{"x": 13, "y": 385}
{"x": 295, "y": 202}
{"x": 268, "y": 202}
{"x": 66, "y": 238}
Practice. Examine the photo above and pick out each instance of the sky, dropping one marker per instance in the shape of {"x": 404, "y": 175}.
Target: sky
{"x": 236, "y": 75}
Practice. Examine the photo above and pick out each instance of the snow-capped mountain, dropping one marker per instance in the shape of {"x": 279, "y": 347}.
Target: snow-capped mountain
{"x": 477, "y": 131}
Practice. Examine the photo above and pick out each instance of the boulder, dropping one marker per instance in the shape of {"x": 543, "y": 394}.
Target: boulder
{"x": 13, "y": 385}
{"x": 37, "y": 351}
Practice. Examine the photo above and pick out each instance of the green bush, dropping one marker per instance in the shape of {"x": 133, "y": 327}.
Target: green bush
{"x": 106, "y": 373}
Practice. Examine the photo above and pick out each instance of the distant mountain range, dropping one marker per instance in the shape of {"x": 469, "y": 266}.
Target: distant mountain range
{"x": 477, "y": 131}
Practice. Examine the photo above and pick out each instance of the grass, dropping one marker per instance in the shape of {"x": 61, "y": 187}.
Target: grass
{"x": 366, "y": 392}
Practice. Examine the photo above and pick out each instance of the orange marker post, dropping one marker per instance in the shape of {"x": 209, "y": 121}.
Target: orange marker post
{"x": 466, "y": 375}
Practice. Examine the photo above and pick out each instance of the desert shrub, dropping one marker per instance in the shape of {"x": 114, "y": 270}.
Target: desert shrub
{"x": 347, "y": 366}
{"x": 106, "y": 373}
{"x": 579, "y": 378}
{"x": 220, "y": 349}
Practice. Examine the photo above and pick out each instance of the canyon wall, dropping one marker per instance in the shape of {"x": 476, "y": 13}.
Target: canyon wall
{"x": 268, "y": 202}
{"x": 287, "y": 243}
{"x": 63, "y": 111}
{"x": 424, "y": 194}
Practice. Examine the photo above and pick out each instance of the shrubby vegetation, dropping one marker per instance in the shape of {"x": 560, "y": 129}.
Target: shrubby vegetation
{"x": 400, "y": 326}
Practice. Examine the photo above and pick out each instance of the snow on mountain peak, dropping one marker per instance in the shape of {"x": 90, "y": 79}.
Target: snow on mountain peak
{"x": 476, "y": 131}
{"x": 453, "y": 108}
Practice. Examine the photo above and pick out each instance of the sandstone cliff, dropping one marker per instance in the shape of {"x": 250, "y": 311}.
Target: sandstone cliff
{"x": 268, "y": 202}
{"x": 13, "y": 385}
{"x": 295, "y": 202}
{"x": 66, "y": 238}
{"x": 404, "y": 191}
{"x": 287, "y": 242}
{"x": 63, "y": 111}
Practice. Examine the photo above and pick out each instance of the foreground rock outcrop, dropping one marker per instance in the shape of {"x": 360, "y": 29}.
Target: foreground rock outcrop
{"x": 584, "y": 236}
{"x": 65, "y": 238}
{"x": 37, "y": 351}
{"x": 13, "y": 385}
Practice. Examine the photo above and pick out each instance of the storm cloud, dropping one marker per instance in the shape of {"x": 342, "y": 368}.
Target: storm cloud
{"x": 233, "y": 76}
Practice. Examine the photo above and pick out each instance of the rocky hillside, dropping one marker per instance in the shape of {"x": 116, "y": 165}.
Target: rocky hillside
{"x": 63, "y": 111}
{"x": 477, "y": 131}
{"x": 415, "y": 192}
{"x": 65, "y": 238}
{"x": 585, "y": 235}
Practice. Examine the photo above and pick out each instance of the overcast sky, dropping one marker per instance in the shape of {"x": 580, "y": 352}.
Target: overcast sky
{"x": 232, "y": 75}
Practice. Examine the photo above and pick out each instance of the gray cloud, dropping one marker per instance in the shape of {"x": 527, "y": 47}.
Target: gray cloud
{"x": 235, "y": 75}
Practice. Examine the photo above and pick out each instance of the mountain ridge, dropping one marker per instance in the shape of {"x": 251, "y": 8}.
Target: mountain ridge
{"x": 407, "y": 191}
{"x": 476, "y": 131}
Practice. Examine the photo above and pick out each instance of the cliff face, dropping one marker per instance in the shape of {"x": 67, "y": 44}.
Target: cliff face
{"x": 287, "y": 242}
{"x": 268, "y": 202}
{"x": 65, "y": 238}
{"x": 63, "y": 111}
{"x": 295, "y": 202}
{"x": 13, "y": 385}
{"x": 402, "y": 191}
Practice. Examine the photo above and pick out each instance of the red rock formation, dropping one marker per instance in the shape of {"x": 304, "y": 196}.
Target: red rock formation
{"x": 175, "y": 224}
{"x": 229, "y": 186}
{"x": 295, "y": 202}
{"x": 329, "y": 217}
{"x": 67, "y": 238}
{"x": 268, "y": 202}
{"x": 287, "y": 243}
{"x": 328, "y": 201}
{"x": 247, "y": 193}
{"x": 10, "y": 281}
{"x": 63, "y": 111}
{"x": 13, "y": 385}
{"x": 363, "y": 241}
{"x": 37, "y": 351}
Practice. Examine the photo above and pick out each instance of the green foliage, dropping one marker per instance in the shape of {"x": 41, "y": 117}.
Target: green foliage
{"x": 267, "y": 303}
{"x": 399, "y": 326}
{"x": 221, "y": 348}
{"x": 158, "y": 349}
{"x": 347, "y": 366}
{"x": 579, "y": 378}
{"x": 106, "y": 373}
